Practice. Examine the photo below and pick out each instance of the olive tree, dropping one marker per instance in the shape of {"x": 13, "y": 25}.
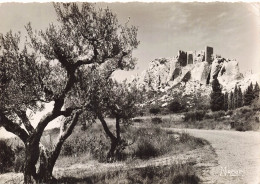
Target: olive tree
{"x": 48, "y": 67}
{"x": 118, "y": 100}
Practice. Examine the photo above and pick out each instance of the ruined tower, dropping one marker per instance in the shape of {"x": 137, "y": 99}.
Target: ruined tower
{"x": 182, "y": 58}
{"x": 208, "y": 54}
{"x": 189, "y": 57}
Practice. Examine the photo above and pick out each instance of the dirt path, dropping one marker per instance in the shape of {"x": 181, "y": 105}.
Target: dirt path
{"x": 238, "y": 156}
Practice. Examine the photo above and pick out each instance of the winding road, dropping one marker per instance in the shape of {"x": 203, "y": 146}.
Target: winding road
{"x": 238, "y": 155}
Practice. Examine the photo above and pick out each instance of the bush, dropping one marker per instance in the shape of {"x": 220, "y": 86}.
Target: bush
{"x": 219, "y": 114}
{"x": 157, "y": 120}
{"x": 68, "y": 149}
{"x": 194, "y": 115}
{"x": 151, "y": 142}
{"x": 19, "y": 158}
{"x": 230, "y": 112}
{"x": 145, "y": 149}
{"x": 209, "y": 115}
{"x": 245, "y": 110}
{"x": 155, "y": 110}
{"x": 137, "y": 120}
{"x": 244, "y": 119}
{"x": 7, "y": 157}
{"x": 94, "y": 143}
{"x": 175, "y": 106}
{"x": 242, "y": 127}
{"x": 216, "y": 115}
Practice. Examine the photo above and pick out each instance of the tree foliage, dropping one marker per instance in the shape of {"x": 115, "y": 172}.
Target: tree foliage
{"x": 237, "y": 98}
{"x": 217, "y": 97}
{"x": 175, "y": 106}
{"x": 225, "y": 101}
{"x": 109, "y": 98}
{"x": 249, "y": 95}
{"x": 256, "y": 91}
{"x": 50, "y": 67}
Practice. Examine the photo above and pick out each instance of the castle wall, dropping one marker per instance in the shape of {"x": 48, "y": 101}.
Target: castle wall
{"x": 199, "y": 56}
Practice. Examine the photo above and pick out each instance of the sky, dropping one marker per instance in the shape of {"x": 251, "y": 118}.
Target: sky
{"x": 232, "y": 29}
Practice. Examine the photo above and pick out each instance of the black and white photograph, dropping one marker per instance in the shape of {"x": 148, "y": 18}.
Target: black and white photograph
{"x": 129, "y": 92}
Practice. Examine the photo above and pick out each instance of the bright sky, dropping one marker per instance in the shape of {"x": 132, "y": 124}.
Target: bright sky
{"x": 164, "y": 28}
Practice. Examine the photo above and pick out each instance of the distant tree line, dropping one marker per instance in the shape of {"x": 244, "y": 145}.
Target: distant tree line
{"x": 234, "y": 99}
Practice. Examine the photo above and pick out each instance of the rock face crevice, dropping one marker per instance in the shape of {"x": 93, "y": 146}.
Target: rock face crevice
{"x": 203, "y": 66}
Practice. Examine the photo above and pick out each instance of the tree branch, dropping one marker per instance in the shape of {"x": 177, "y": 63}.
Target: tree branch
{"x": 68, "y": 111}
{"x": 106, "y": 129}
{"x": 12, "y": 127}
{"x": 58, "y": 104}
{"x": 83, "y": 62}
{"x": 22, "y": 115}
{"x": 117, "y": 127}
{"x": 56, "y": 112}
{"x": 65, "y": 132}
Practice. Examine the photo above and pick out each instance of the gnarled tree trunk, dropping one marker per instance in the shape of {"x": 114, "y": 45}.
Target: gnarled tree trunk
{"x": 111, "y": 156}
{"x": 115, "y": 140}
{"x": 31, "y": 157}
{"x": 48, "y": 158}
{"x": 45, "y": 169}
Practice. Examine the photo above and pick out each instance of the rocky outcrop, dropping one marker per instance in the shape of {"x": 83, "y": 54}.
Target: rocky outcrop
{"x": 156, "y": 75}
{"x": 192, "y": 66}
{"x": 216, "y": 67}
{"x": 229, "y": 72}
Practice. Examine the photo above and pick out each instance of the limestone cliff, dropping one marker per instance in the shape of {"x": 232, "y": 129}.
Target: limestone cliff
{"x": 198, "y": 67}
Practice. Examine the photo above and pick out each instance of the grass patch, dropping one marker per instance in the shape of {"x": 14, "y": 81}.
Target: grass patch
{"x": 241, "y": 119}
{"x": 90, "y": 147}
{"x": 177, "y": 173}
{"x": 144, "y": 143}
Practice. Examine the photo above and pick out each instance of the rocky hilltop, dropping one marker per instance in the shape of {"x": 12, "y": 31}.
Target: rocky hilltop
{"x": 193, "y": 69}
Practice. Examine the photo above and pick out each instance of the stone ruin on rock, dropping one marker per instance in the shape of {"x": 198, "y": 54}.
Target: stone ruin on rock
{"x": 189, "y": 59}
{"x": 193, "y": 57}
{"x": 192, "y": 66}
{"x": 204, "y": 67}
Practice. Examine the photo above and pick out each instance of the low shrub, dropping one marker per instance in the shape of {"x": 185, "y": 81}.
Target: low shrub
{"x": 96, "y": 144}
{"x": 194, "y": 115}
{"x": 241, "y": 126}
{"x": 137, "y": 120}
{"x": 192, "y": 141}
{"x": 209, "y": 115}
{"x": 156, "y": 120}
{"x": 151, "y": 142}
{"x": 175, "y": 106}
{"x": 245, "y": 119}
{"x": 155, "y": 110}
{"x": 19, "y": 158}
{"x": 68, "y": 149}
{"x": 219, "y": 114}
{"x": 216, "y": 115}
{"x": 7, "y": 157}
{"x": 229, "y": 112}
{"x": 146, "y": 149}
{"x": 245, "y": 110}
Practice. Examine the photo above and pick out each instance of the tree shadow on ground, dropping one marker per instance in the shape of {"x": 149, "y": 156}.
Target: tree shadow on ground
{"x": 69, "y": 180}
